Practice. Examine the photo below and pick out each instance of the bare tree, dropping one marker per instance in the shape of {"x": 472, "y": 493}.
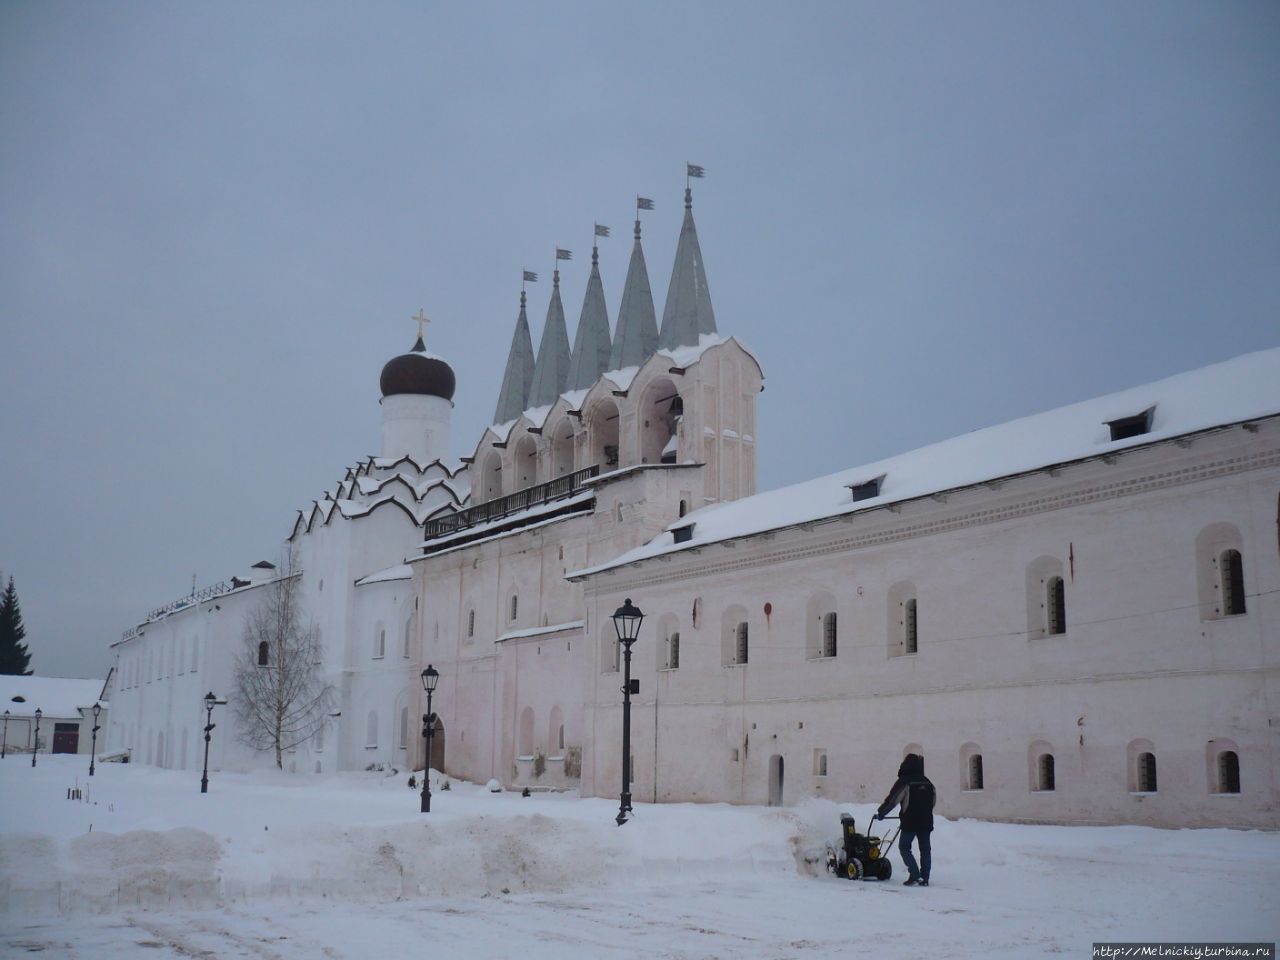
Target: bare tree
{"x": 282, "y": 698}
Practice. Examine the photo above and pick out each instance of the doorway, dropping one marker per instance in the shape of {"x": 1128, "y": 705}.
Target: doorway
{"x": 775, "y": 780}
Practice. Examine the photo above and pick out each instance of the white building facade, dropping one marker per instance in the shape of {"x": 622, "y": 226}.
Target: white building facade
{"x": 1073, "y": 617}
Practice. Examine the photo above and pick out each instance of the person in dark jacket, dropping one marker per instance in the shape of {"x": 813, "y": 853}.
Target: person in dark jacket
{"x": 914, "y": 792}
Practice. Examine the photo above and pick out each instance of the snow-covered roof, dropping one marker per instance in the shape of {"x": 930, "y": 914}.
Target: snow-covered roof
{"x": 540, "y": 631}
{"x": 401, "y": 571}
{"x": 1235, "y": 391}
{"x": 54, "y": 696}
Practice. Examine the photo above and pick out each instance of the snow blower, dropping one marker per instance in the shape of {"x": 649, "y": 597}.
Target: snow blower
{"x": 860, "y": 857}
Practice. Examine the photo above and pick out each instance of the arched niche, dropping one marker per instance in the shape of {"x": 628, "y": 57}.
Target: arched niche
{"x": 604, "y": 435}
{"x": 525, "y": 463}
{"x": 561, "y": 448}
{"x": 490, "y": 486}
{"x": 659, "y": 414}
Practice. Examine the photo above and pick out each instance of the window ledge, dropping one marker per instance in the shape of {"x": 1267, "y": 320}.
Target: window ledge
{"x": 977, "y": 790}
{"x": 528, "y": 758}
{"x": 379, "y": 656}
{"x": 371, "y": 746}
{"x": 1226, "y": 795}
{"x": 823, "y": 656}
{"x": 1143, "y": 793}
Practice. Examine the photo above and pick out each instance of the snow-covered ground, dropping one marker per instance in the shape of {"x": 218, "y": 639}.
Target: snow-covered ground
{"x": 345, "y": 866}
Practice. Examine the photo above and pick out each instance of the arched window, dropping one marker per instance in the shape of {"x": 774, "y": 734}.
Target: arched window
{"x": 371, "y": 730}
{"x": 379, "y": 641}
{"x": 975, "y": 772}
{"x": 471, "y": 623}
{"x": 1220, "y": 571}
{"x": 1055, "y": 606}
{"x": 408, "y": 632}
{"x": 560, "y": 737}
{"x": 734, "y": 636}
{"x": 904, "y": 638}
{"x": 820, "y": 626}
{"x": 515, "y": 606}
{"x": 1228, "y": 772}
{"x": 1146, "y": 773}
{"x": 910, "y": 636}
{"x": 264, "y": 654}
{"x": 602, "y": 434}
{"x": 318, "y": 744}
{"x": 673, "y": 650}
{"x": 1044, "y": 772}
{"x": 404, "y": 727}
{"x": 1231, "y": 572}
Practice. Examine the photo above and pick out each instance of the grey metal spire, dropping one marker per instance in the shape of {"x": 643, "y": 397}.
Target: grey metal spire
{"x": 552, "y": 370}
{"x": 636, "y": 338}
{"x": 591, "y": 345}
{"x": 688, "y": 312}
{"x": 513, "y": 398}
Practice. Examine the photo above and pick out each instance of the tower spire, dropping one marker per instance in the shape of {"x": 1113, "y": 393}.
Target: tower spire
{"x": 636, "y": 337}
{"x": 551, "y": 372}
{"x": 591, "y": 345}
{"x": 688, "y": 313}
{"x": 513, "y": 398}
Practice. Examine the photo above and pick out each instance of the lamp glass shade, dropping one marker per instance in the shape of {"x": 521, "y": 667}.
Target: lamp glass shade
{"x": 626, "y": 620}
{"x": 97, "y": 709}
{"x": 39, "y": 713}
{"x": 430, "y": 677}
{"x": 209, "y": 700}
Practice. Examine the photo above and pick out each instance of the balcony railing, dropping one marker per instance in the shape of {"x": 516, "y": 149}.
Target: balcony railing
{"x": 496, "y": 509}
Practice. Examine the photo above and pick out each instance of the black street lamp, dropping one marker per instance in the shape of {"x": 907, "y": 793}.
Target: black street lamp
{"x": 430, "y": 677}
{"x": 626, "y": 621}
{"x": 35, "y": 747}
{"x": 4, "y": 744}
{"x": 93, "y": 750}
{"x": 209, "y": 702}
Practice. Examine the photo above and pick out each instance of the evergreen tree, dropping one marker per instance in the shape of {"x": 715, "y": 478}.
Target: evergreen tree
{"x": 14, "y": 658}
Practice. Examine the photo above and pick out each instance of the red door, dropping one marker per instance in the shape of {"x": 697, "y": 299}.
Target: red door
{"x": 66, "y": 737}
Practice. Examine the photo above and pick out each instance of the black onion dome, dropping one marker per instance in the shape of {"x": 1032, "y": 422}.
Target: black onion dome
{"x": 419, "y": 373}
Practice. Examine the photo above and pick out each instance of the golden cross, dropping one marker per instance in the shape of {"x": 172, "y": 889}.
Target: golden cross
{"x": 421, "y": 320}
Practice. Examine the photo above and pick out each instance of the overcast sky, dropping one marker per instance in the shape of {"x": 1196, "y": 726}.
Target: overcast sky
{"x": 924, "y": 218}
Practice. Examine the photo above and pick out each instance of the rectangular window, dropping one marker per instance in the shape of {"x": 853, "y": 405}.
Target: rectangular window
{"x": 975, "y": 772}
{"x": 829, "y": 635}
{"x": 1056, "y": 606}
{"x": 910, "y": 637}
{"x": 741, "y": 650}
{"x": 673, "y": 652}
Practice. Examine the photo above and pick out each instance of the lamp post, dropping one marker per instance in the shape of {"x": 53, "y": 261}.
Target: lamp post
{"x": 430, "y": 677}
{"x": 93, "y": 750}
{"x": 626, "y": 621}
{"x": 4, "y": 744}
{"x": 35, "y": 746}
{"x": 209, "y": 701}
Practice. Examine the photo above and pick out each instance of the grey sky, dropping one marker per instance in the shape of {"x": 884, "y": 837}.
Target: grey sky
{"x": 216, "y": 219}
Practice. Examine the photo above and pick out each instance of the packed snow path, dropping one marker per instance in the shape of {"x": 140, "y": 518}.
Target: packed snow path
{"x": 344, "y": 866}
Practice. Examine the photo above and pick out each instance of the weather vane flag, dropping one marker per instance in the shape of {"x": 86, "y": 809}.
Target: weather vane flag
{"x": 644, "y": 203}
{"x": 563, "y": 254}
{"x": 695, "y": 171}
{"x": 601, "y": 230}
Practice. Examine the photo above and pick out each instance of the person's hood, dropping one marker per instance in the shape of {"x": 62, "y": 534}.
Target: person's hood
{"x": 912, "y": 766}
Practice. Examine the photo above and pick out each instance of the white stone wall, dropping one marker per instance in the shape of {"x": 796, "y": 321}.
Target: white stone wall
{"x": 1137, "y": 669}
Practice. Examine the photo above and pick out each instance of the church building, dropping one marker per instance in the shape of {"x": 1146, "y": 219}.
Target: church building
{"x": 1072, "y": 616}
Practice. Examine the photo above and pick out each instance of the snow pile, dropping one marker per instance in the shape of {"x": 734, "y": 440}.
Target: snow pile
{"x": 345, "y": 866}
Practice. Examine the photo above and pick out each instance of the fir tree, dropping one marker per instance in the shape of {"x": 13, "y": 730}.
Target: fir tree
{"x": 14, "y": 657}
